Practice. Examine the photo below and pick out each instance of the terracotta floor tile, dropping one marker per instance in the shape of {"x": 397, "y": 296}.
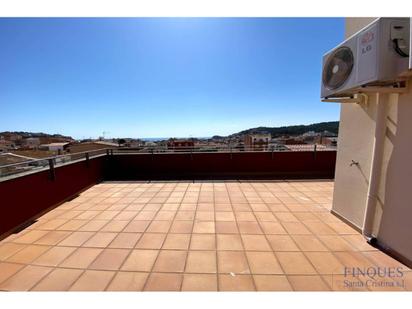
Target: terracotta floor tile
{"x": 163, "y": 282}
{"x": 277, "y": 208}
{"x": 170, "y": 261}
{"x": 272, "y": 228}
{"x": 286, "y": 217}
{"x": 114, "y": 226}
{"x": 325, "y": 263}
{"x": 125, "y": 215}
{"x": 28, "y": 254}
{"x": 341, "y": 228}
{"x": 72, "y": 225}
{"x": 229, "y": 242}
{"x": 140, "y": 260}
{"x": 305, "y": 216}
{"x": 76, "y": 239}
{"x": 125, "y": 240}
{"x": 159, "y": 227}
{"x": 207, "y": 227}
{"x": 343, "y": 283}
{"x": 52, "y": 238}
{"x": 59, "y": 279}
{"x": 25, "y": 278}
{"x": 358, "y": 242}
{"x": 81, "y": 258}
{"x": 272, "y": 283}
{"x": 128, "y": 281}
{"x": 181, "y": 227}
{"x": 107, "y": 215}
{"x": 282, "y": 243}
{"x": 309, "y": 243}
{"x": 94, "y": 225}
{"x": 295, "y": 263}
{"x": 8, "y": 269}
{"x": 110, "y": 259}
{"x": 335, "y": 243}
{"x": 308, "y": 283}
{"x": 51, "y": 224}
{"x": 265, "y": 216}
{"x": 223, "y": 206}
{"x": 226, "y": 227}
{"x": 54, "y": 256}
{"x": 319, "y": 228}
{"x": 100, "y": 240}
{"x": 8, "y": 249}
{"x": 296, "y": 228}
{"x": 255, "y": 243}
{"x": 383, "y": 260}
{"x": 136, "y": 226}
{"x": 30, "y": 237}
{"x": 199, "y": 282}
{"x": 240, "y": 207}
{"x": 236, "y": 283}
{"x": 185, "y": 215}
{"x": 145, "y": 215}
{"x": 407, "y": 276}
{"x": 225, "y": 216}
{"x": 234, "y": 262}
{"x": 93, "y": 280}
{"x": 354, "y": 259}
{"x": 245, "y": 216}
{"x": 205, "y": 216}
{"x": 87, "y": 215}
{"x": 259, "y": 207}
{"x": 177, "y": 241}
{"x": 201, "y": 262}
{"x": 188, "y": 206}
{"x": 151, "y": 241}
{"x": 247, "y": 227}
{"x": 263, "y": 263}
{"x": 203, "y": 242}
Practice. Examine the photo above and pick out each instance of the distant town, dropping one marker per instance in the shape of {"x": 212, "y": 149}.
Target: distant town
{"x": 22, "y": 146}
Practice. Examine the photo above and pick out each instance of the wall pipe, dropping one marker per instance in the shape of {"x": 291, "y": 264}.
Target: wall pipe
{"x": 376, "y": 167}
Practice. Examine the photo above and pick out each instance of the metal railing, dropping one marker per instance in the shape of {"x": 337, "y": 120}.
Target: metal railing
{"x": 50, "y": 163}
{"x": 221, "y": 148}
{"x": 14, "y": 169}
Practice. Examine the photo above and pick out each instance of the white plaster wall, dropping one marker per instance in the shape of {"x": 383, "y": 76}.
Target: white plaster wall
{"x": 356, "y": 131}
{"x": 393, "y": 218}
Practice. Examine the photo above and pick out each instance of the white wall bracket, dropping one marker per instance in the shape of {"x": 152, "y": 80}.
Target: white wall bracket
{"x": 359, "y": 98}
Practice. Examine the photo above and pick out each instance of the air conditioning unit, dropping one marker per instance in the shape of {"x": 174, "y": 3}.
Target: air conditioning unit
{"x": 377, "y": 55}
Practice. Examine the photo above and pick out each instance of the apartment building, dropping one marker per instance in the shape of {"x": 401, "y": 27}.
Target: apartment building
{"x": 373, "y": 169}
{"x": 257, "y": 141}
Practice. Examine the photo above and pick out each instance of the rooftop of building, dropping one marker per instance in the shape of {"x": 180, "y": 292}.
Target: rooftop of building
{"x": 193, "y": 235}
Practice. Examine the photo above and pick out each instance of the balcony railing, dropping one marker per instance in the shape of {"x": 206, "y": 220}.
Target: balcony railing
{"x": 36, "y": 165}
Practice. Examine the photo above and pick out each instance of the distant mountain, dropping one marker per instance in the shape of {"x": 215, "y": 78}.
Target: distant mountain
{"x": 36, "y": 134}
{"x": 331, "y": 126}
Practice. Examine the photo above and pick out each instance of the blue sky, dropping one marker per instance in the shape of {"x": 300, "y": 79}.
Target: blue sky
{"x": 162, "y": 77}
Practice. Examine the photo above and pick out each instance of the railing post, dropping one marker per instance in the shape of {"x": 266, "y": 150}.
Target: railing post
{"x": 52, "y": 173}
{"x": 231, "y": 155}
{"x": 314, "y": 151}
{"x": 87, "y": 159}
{"x": 107, "y": 152}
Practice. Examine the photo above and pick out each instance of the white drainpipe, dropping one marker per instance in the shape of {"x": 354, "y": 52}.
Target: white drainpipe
{"x": 376, "y": 166}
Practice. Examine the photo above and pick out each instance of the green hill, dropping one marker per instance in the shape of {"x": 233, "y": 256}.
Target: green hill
{"x": 331, "y": 126}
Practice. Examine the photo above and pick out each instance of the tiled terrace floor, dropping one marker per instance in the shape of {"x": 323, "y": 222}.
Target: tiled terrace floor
{"x": 185, "y": 236}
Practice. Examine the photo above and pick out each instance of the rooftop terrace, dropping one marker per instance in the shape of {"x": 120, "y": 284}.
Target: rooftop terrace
{"x": 193, "y": 235}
